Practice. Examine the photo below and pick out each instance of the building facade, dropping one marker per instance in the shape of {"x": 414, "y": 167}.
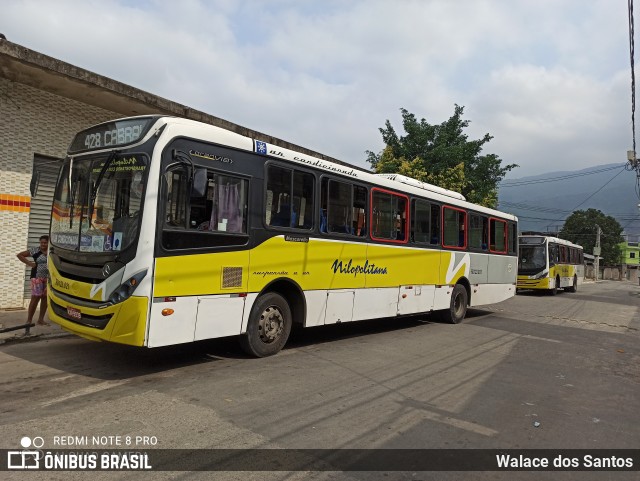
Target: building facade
{"x": 43, "y": 103}
{"x": 630, "y": 260}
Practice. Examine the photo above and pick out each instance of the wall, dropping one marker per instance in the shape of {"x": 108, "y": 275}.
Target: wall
{"x": 32, "y": 121}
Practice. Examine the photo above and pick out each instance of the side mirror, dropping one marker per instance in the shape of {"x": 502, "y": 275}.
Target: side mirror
{"x": 199, "y": 187}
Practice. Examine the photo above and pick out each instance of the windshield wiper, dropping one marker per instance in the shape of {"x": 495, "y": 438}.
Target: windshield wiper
{"x": 94, "y": 187}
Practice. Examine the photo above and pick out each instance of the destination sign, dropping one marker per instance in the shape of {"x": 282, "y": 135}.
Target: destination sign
{"x": 531, "y": 240}
{"x": 111, "y": 134}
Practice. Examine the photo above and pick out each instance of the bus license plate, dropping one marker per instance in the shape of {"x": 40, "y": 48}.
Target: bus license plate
{"x": 73, "y": 312}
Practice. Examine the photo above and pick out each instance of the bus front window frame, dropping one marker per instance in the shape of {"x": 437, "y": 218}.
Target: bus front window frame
{"x": 104, "y": 194}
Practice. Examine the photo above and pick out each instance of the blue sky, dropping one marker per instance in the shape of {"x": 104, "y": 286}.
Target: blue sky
{"x": 548, "y": 79}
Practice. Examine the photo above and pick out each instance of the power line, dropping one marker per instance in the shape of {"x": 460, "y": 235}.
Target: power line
{"x": 516, "y": 205}
{"x": 603, "y": 186}
{"x": 517, "y": 183}
{"x": 505, "y": 205}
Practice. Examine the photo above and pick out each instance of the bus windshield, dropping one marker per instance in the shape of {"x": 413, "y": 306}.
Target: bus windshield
{"x": 97, "y": 202}
{"x": 532, "y": 258}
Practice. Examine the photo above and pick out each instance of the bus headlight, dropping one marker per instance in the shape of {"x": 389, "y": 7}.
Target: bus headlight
{"x": 126, "y": 289}
{"x": 540, "y": 275}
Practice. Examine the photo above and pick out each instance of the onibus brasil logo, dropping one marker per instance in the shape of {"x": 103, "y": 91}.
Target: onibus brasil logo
{"x": 27, "y": 458}
{"x": 32, "y": 457}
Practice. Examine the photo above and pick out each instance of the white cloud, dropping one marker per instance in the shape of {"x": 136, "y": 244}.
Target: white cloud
{"x": 548, "y": 79}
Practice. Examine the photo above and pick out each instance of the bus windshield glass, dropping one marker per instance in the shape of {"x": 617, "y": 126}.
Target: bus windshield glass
{"x": 97, "y": 202}
{"x": 532, "y": 258}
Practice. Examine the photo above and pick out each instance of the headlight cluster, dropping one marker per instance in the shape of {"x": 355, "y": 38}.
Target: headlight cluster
{"x": 540, "y": 275}
{"x": 127, "y": 288}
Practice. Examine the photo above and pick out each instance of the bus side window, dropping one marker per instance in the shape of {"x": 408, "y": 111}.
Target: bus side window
{"x": 553, "y": 254}
{"x": 435, "y": 224}
{"x": 175, "y": 208}
{"x": 278, "y": 201}
{"x": 513, "y": 238}
{"x": 303, "y": 200}
{"x": 389, "y": 213}
{"x": 289, "y": 198}
{"x": 343, "y": 208}
{"x": 454, "y": 234}
{"x": 359, "y": 210}
{"x": 497, "y": 236}
{"x": 478, "y": 232}
{"x": 421, "y": 219}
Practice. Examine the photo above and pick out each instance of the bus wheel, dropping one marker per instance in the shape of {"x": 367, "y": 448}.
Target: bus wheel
{"x": 574, "y": 287}
{"x": 269, "y": 326}
{"x": 458, "y": 307}
{"x": 554, "y": 291}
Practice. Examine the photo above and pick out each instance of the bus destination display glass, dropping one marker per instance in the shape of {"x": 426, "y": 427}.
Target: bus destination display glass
{"x": 111, "y": 134}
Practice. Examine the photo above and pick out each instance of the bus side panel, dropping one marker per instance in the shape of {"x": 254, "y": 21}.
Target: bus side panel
{"x": 391, "y": 266}
{"x": 177, "y": 328}
{"x": 502, "y": 270}
{"x": 580, "y": 273}
{"x": 566, "y": 273}
{"x": 491, "y": 293}
{"x": 394, "y": 272}
{"x": 479, "y": 271}
{"x": 201, "y": 274}
{"x": 196, "y": 282}
{"x": 314, "y": 265}
{"x": 316, "y": 307}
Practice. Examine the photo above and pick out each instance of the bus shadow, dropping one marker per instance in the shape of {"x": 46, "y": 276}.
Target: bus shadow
{"x": 108, "y": 361}
{"x": 535, "y": 292}
{"x": 336, "y": 332}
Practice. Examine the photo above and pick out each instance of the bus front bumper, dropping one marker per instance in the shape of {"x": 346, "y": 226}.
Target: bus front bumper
{"x": 525, "y": 283}
{"x": 124, "y": 323}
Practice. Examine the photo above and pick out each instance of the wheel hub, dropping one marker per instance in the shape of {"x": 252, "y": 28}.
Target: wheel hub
{"x": 271, "y": 324}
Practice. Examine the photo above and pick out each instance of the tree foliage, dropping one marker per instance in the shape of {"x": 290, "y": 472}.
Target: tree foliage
{"x": 580, "y": 228}
{"x": 441, "y": 155}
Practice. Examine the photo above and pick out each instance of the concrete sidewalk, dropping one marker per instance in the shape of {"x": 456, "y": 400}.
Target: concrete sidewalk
{"x": 18, "y": 317}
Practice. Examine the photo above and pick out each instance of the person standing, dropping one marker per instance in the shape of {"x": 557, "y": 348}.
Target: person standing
{"x": 39, "y": 277}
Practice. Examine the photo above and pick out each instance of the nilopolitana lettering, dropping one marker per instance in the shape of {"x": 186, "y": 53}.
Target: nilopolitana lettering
{"x": 355, "y": 269}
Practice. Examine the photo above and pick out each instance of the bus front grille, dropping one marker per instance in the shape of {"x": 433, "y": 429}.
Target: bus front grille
{"x": 97, "y": 322}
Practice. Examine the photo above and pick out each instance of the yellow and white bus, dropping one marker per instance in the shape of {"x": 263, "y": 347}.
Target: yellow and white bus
{"x": 167, "y": 231}
{"x": 549, "y": 263}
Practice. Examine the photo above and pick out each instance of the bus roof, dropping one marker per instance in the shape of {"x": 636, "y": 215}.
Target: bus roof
{"x": 557, "y": 240}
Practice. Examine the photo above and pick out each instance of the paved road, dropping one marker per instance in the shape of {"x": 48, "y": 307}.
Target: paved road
{"x": 570, "y": 363}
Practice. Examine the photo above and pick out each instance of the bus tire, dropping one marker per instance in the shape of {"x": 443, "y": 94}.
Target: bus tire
{"x": 574, "y": 287}
{"x": 457, "y": 308}
{"x": 269, "y": 326}
{"x": 554, "y": 291}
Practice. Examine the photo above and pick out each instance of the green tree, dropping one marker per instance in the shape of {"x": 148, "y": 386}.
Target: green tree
{"x": 580, "y": 228}
{"x": 441, "y": 155}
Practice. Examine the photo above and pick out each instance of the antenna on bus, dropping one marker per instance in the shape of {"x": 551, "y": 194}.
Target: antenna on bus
{"x": 422, "y": 185}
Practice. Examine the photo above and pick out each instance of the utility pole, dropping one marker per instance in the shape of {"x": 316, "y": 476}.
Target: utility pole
{"x": 596, "y": 252}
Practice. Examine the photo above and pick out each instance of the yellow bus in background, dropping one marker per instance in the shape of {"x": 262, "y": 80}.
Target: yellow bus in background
{"x": 548, "y": 263}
